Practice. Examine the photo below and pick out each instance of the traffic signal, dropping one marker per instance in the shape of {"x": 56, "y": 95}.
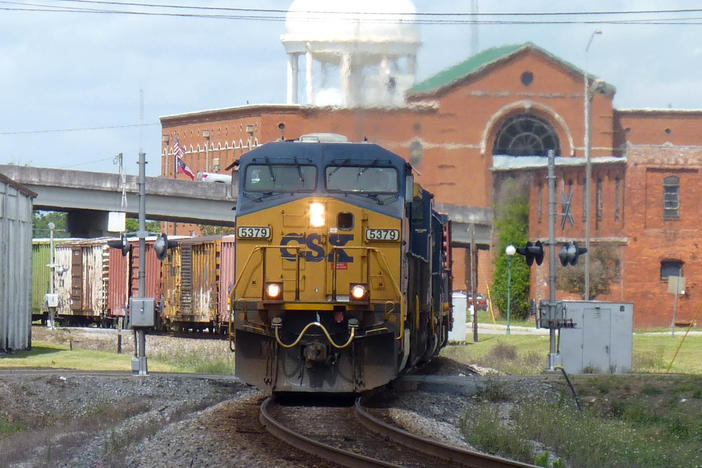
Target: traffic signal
{"x": 570, "y": 252}
{"x": 121, "y": 243}
{"x": 162, "y": 245}
{"x": 532, "y": 252}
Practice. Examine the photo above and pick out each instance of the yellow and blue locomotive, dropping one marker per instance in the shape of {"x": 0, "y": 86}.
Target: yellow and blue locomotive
{"x": 342, "y": 268}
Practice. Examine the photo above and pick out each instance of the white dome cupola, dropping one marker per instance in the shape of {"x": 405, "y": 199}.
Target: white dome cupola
{"x": 357, "y": 54}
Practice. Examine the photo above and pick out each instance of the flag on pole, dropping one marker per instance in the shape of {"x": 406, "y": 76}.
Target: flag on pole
{"x": 184, "y": 169}
{"x": 179, "y": 152}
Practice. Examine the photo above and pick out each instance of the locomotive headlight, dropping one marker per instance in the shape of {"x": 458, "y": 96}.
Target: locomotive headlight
{"x": 273, "y": 292}
{"x": 316, "y": 214}
{"x": 358, "y": 292}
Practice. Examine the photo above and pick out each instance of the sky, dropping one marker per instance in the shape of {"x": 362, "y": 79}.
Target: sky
{"x": 78, "y": 88}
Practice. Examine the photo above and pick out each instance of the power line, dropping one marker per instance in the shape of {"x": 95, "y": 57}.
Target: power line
{"x": 429, "y": 18}
{"x": 85, "y": 163}
{"x": 83, "y": 129}
{"x": 275, "y": 10}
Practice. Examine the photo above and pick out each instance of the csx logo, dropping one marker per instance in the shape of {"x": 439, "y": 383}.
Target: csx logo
{"x": 315, "y": 251}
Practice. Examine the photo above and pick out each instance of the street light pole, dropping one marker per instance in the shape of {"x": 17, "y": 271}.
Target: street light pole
{"x": 588, "y": 164}
{"x": 510, "y": 250}
{"x": 206, "y": 134}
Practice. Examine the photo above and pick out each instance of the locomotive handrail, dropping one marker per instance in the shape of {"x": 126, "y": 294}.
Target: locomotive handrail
{"x": 262, "y": 249}
{"x": 386, "y": 269}
{"x": 403, "y": 305}
{"x": 307, "y": 327}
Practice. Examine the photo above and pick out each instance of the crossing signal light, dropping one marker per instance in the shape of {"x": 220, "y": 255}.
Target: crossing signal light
{"x": 162, "y": 245}
{"x": 532, "y": 252}
{"x": 121, "y": 243}
{"x": 570, "y": 252}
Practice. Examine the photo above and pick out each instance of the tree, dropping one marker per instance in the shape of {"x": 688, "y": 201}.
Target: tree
{"x": 42, "y": 220}
{"x": 132, "y": 225}
{"x": 512, "y": 224}
{"x": 604, "y": 268}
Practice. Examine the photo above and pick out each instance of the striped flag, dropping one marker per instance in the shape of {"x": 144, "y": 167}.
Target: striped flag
{"x": 178, "y": 149}
{"x": 179, "y": 152}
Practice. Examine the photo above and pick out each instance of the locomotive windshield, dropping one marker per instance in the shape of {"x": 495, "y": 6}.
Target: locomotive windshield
{"x": 280, "y": 178}
{"x": 362, "y": 179}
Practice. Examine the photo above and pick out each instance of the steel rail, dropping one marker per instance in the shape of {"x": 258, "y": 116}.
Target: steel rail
{"x": 438, "y": 449}
{"x": 313, "y": 447}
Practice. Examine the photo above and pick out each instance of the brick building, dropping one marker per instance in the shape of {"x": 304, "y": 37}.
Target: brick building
{"x": 492, "y": 118}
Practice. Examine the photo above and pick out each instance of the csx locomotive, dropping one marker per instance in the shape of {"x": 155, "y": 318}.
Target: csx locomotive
{"x": 342, "y": 268}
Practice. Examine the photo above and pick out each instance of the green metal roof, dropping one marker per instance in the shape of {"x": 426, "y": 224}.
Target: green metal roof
{"x": 456, "y": 72}
{"x": 481, "y": 60}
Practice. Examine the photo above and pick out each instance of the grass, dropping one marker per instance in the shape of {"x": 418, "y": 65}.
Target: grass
{"x": 641, "y": 419}
{"x": 51, "y": 355}
{"x": 655, "y": 428}
{"x": 511, "y": 354}
{"x": 654, "y": 352}
{"x": 194, "y": 361}
{"x": 528, "y": 354}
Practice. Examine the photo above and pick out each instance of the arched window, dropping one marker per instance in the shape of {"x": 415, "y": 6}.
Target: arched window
{"x": 526, "y": 135}
{"x": 671, "y": 267}
{"x": 671, "y": 197}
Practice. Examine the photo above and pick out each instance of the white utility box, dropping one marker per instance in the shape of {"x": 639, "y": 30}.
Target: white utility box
{"x": 458, "y": 332}
{"x": 51, "y": 299}
{"x": 601, "y": 339}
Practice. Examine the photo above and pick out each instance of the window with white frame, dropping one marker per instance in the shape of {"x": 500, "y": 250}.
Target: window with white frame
{"x": 671, "y": 197}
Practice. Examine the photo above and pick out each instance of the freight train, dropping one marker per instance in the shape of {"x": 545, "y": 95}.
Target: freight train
{"x": 94, "y": 282}
{"x": 342, "y": 268}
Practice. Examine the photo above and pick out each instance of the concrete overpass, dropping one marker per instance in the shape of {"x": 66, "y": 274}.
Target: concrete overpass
{"x": 92, "y": 194}
{"x": 89, "y": 196}
{"x": 467, "y": 218}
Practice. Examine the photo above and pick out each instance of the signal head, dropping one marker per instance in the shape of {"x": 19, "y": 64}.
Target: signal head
{"x": 162, "y": 245}
{"x": 122, "y": 243}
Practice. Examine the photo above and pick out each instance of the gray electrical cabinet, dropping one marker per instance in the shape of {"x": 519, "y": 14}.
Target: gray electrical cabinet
{"x": 141, "y": 312}
{"x": 601, "y": 339}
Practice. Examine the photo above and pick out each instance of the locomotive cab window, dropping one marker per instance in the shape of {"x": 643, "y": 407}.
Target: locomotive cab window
{"x": 280, "y": 178}
{"x": 362, "y": 179}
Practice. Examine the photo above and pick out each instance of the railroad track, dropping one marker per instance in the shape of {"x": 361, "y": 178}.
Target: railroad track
{"x": 384, "y": 444}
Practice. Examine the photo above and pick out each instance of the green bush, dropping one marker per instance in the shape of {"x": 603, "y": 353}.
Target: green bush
{"x": 512, "y": 224}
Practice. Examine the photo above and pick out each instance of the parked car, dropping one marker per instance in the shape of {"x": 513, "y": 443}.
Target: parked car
{"x": 480, "y": 302}
{"x": 214, "y": 177}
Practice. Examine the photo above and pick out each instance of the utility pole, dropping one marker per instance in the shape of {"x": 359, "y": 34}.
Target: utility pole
{"x": 473, "y": 274}
{"x": 553, "y": 354}
{"x": 139, "y": 307}
{"x": 588, "y": 165}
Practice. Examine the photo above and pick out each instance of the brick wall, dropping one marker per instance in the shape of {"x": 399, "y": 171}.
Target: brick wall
{"x": 456, "y": 126}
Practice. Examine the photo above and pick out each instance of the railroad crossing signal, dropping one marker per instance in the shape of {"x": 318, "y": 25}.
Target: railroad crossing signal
{"x": 121, "y": 243}
{"x": 163, "y": 245}
{"x": 570, "y": 252}
{"x": 532, "y": 252}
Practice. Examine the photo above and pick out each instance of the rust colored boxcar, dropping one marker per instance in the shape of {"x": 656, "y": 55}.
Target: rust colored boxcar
{"x": 227, "y": 277}
{"x": 153, "y": 271}
{"x": 118, "y": 289}
{"x": 190, "y": 276}
{"x": 124, "y": 278}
